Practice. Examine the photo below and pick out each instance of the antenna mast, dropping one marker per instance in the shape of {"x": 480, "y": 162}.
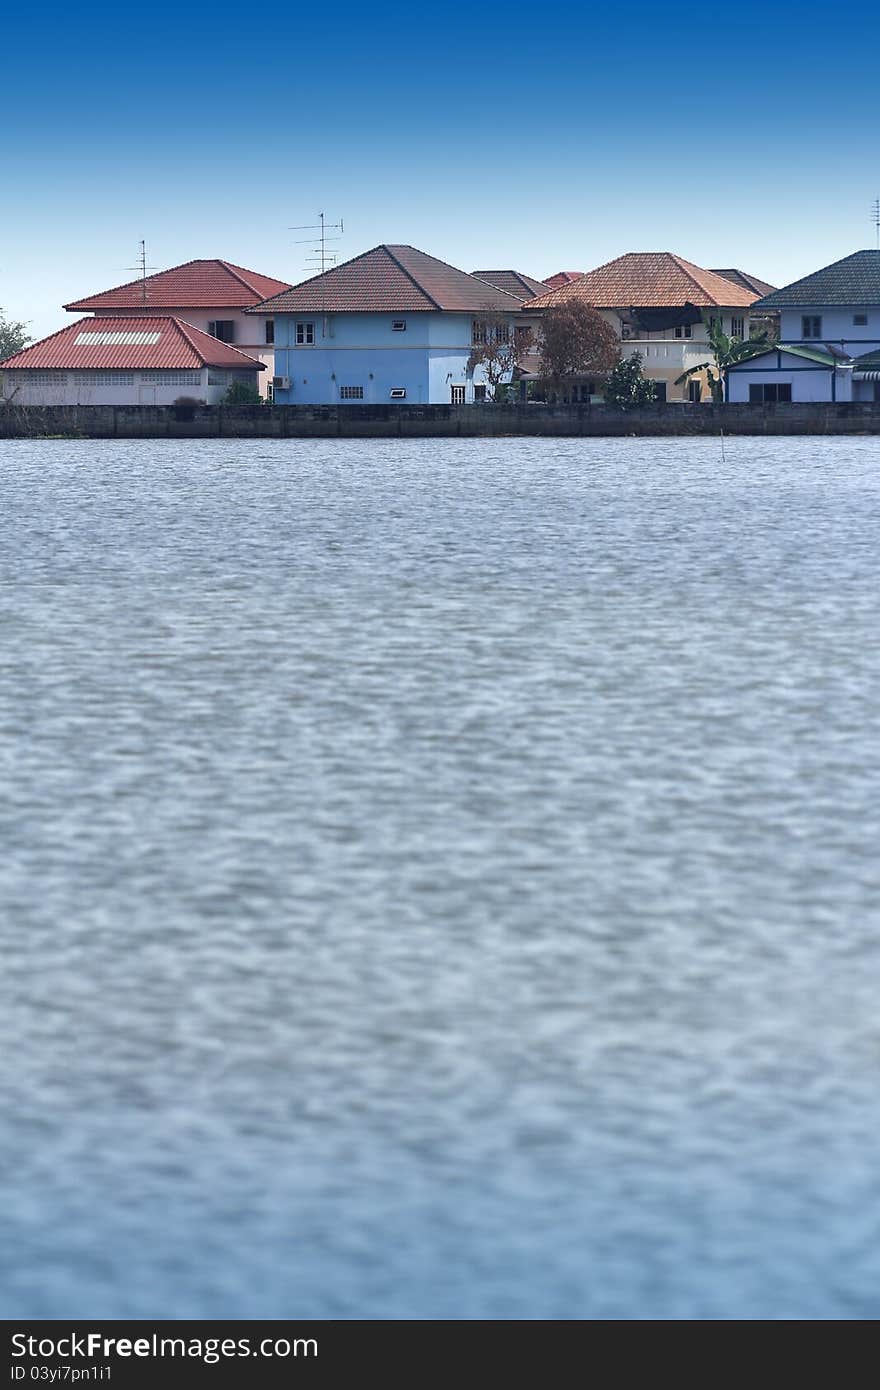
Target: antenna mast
{"x": 318, "y": 254}
{"x": 143, "y": 268}
{"x": 875, "y": 218}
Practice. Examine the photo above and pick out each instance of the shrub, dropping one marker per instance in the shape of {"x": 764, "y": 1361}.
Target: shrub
{"x": 240, "y": 393}
{"x": 185, "y": 407}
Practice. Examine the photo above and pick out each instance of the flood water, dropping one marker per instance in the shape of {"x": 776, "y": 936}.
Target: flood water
{"x": 440, "y": 879}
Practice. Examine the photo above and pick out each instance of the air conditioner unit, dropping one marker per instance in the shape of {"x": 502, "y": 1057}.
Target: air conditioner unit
{"x": 397, "y": 393}
{"x": 281, "y": 383}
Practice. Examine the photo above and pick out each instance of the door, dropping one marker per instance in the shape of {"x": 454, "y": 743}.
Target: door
{"x": 458, "y": 395}
{"x": 146, "y": 395}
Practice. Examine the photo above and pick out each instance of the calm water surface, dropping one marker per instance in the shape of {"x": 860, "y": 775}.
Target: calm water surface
{"x": 440, "y": 879}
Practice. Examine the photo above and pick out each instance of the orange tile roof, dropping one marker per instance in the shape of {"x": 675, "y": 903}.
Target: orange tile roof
{"x": 209, "y": 284}
{"x": 145, "y": 342}
{"x": 562, "y": 277}
{"x": 649, "y": 279}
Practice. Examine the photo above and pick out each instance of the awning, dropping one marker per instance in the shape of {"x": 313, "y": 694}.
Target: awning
{"x": 655, "y": 320}
{"x": 866, "y": 376}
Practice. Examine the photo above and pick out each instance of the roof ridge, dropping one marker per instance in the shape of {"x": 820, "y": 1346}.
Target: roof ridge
{"x": 688, "y": 266}
{"x": 447, "y": 265}
{"x": 187, "y": 328}
{"x": 312, "y": 278}
{"x": 40, "y": 341}
{"x": 410, "y": 276}
{"x": 234, "y": 270}
{"x": 130, "y": 284}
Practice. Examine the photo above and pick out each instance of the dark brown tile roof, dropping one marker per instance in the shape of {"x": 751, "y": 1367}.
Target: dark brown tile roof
{"x": 519, "y": 285}
{"x": 649, "y": 279}
{"x": 390, "y": 279}
{"x": 748, "y": 282}
{"x": 853, "y": 280}
{"x": 195, "y": 285}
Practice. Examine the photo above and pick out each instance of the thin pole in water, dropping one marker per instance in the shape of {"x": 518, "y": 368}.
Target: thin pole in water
{"x": 723, "y": 459}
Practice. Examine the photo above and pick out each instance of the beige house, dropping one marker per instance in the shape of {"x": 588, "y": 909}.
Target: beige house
{"x": 657, "y": 303}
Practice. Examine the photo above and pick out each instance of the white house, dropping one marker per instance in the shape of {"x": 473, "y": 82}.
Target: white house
{"x": 150, "y": 359}
{"x": 829, "y": 338}
{"x": 212, "y": 295}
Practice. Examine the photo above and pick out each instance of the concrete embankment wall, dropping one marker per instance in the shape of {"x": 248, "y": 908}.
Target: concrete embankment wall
{"x": 440, "y": 421}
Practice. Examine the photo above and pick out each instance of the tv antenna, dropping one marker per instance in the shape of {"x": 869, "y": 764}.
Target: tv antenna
{"x": 319, "y": 256}
{"x": 875, "y": 218}
{"x": 143, "y": 268}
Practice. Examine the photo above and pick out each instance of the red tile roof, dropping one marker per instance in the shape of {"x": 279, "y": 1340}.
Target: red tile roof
{"x": 195, "y": 285}
{"x": 562, "y": 277}
{"x": 649, "y": 279}
{"x": 513, "y": 282}
{"x": 146, "y": 342}
{"x": 390, "y": 279}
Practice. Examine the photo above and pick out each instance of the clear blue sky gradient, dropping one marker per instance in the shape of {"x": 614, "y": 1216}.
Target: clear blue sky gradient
{"x": 538, "y": 137}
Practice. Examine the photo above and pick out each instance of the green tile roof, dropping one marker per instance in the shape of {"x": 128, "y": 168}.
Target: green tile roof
{"x": 812, "y": 354}
{"x": 869, "y": 362}
{"x": 854, "y": 280}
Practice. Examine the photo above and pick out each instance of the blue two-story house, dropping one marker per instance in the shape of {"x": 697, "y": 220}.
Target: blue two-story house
{"x": 391, "y": 326}
{"x": 829, "y": 338}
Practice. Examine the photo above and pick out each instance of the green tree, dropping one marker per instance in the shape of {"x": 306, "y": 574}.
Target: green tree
{"x": 241, "y": 393}
{"x": 626, "y": 388}
{"x": 13, "y": 337}
{"x": 498, "y": 347}
{"x": 726, "y": 352}
{"x": 576, "y": 341}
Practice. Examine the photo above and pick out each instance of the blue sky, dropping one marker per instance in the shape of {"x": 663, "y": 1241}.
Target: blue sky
{"x": 538, "y": 137}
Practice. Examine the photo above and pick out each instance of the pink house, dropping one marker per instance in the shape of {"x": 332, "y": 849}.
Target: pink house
{"x": 212, "y": 295}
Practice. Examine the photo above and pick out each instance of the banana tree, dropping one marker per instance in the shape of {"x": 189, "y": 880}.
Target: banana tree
{"x": 726, "y": 353}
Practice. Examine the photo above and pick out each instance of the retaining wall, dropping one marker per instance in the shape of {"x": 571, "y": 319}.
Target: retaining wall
{"x": 442, "y": 421}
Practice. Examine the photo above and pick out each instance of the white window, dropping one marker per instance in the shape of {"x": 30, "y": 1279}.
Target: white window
{"x": 398, "y": 393}
{"x": 398, "y": 325}
{"x": 683, "y": 330}
{"x": 737, "y": 328}
{"x": 171, "y": 378}
{"x": 217, "y": 378}
{"x": 478, "y": 331}
{"x": 811, "y": 326}
{"x": 351, "y": 393}
{"x": 43, "y": 378}
{"x": 305, "y": 334}
{"x": 105, "y": 378}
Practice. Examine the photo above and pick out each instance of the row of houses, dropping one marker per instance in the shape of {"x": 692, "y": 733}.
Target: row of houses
{"x": 396, "y": 325}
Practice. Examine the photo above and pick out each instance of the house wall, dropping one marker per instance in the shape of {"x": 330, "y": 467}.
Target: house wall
{"x": 250, "y": 331}
{"x": 664, "y": 356}
{"x": 425, "y": 359}
{"x": 807, "y": 383}
{"x": 837, "y": 327}
{"x": 117, "y": 388}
